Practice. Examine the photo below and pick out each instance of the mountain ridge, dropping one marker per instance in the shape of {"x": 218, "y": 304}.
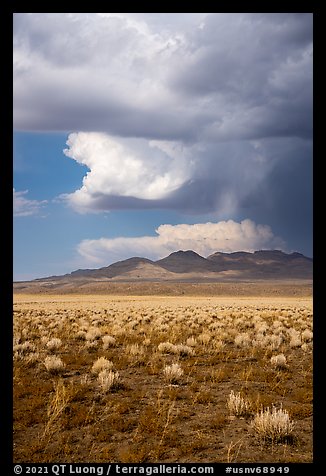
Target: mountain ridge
{"x": 187, "y": 265}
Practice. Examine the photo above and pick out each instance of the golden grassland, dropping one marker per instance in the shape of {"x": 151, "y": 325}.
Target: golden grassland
{"x": 151, "y": 378}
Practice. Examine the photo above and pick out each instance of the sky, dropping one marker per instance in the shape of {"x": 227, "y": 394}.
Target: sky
{"x": 141, "y": 134}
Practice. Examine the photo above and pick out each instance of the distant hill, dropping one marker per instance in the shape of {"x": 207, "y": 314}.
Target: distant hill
{"x": 185, "y": 262}
{"x": 187, "y": 266}
{"x": 264, "y": 264}
{"x": 115, "y": 269}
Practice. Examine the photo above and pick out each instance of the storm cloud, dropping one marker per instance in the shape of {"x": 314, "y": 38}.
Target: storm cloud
{"x": 207, "y": 77}
{"x": 198, "y": 113}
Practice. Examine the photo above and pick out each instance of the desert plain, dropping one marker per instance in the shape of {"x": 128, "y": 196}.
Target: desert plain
{"x": 164, "y": 372}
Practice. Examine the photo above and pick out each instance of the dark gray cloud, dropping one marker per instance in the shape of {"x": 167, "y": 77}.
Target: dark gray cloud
{"x": 255, "y": 71}
{"x": 285, "y": 196}
{"x": 232, "y": 76}
{"x": 227, "y": 98}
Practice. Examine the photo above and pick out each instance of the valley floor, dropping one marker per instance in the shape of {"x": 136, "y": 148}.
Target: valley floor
{"x": 264, "y": 288}
{"x": 126, "y": 408}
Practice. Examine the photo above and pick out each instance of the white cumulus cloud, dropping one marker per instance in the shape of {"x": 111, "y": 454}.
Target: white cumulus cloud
{"x": 116, "y": 169}
{"x": 23, "y": 206}
{"x": 203, "y": 238}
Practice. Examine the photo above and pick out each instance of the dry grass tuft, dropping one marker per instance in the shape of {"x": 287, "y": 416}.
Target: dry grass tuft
{"x": 173, "y": 373}
{"x": 101, "y": 364}
{"x": 237, "y": 405}
{"x": 279, "y": 361}
{"x": 108, "y": 341}
{"x": 54, "y": 365}
{"x": 109, "y": 380}
{"x": 273, "y": 425}
{"x": 54, "y": 344}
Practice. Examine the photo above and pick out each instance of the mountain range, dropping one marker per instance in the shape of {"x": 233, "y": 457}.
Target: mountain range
{"x": 188, "y": 266}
